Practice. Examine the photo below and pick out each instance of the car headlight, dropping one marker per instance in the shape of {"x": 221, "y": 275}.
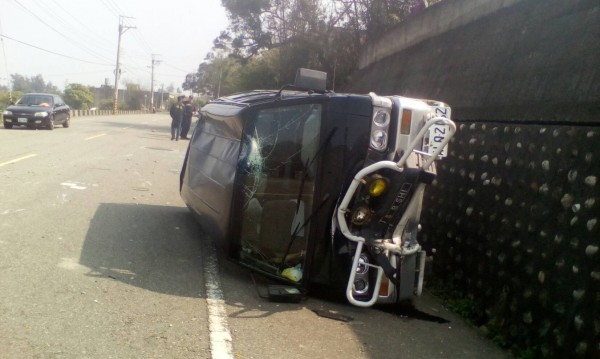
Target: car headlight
{"x": 361, "y": 215}
{"x": 363, "y": 264}
{"x": 379, "y": 140}
{"x": 40, "y": 114}
{"x": 381, "y": 119}
{"x": 7, "y": 113}
{"x": 380, "y": 123}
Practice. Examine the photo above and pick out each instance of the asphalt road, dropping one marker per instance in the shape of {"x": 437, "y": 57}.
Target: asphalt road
{"x": 100, "y": 258}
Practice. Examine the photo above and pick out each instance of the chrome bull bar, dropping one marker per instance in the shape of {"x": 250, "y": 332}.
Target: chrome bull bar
{"x": 395, "y": 246}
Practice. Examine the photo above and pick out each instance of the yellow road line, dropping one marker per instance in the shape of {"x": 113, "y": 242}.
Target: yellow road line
{"x": 100, "y": 135}
{"x": 17, "y": 159}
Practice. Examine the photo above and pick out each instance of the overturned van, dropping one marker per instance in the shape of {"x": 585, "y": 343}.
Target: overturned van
{"x": 318, "y": 189}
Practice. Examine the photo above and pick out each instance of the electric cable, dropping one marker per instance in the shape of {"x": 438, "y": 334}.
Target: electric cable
{"x": 60, "y": 33}
{"x": 54, "y": 53}
{"x": 81, "y": 24}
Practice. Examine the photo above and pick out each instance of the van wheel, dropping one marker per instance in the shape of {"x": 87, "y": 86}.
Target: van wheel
{"x": 66, "y": 123}
{"x": 51, "y": 123}
{"x": 8, "y": 126}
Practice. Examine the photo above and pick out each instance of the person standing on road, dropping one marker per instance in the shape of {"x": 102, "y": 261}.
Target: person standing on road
{"x": 188, "y": 112}
{"x": 176, "y": 113}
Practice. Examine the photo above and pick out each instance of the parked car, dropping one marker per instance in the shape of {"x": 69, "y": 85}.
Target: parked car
{"x": 38, "y": 110}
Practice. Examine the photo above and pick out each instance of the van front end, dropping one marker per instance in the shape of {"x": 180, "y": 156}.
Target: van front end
{"x": 380, "y": 211}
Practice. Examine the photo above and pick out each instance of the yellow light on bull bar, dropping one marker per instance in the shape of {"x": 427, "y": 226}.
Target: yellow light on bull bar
{"x": 377, "y": 187}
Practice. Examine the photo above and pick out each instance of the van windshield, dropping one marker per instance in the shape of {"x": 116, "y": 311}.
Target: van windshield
{"x": 278, "y": 170}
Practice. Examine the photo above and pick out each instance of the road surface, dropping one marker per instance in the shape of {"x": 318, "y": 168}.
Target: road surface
{"x": 100, "y": 258}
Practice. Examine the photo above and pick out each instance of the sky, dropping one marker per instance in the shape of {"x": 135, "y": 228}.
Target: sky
{"x": 75, "y": 41}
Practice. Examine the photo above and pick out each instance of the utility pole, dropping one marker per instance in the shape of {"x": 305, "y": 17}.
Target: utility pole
{"x": 154, "y": 62}
{"x": 162, "y": 90}
{"x": 122, "y": 29}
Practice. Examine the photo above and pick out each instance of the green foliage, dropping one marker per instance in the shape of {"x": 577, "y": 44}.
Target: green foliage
{"x": 32, "y": 84}
{"x": 6, "y": 97}
{"x": 455, "y": 300}
{"x": 268, "y": 40}
{"x": 322, "y": 35}
{"x": 259, "y": 72}
{"x": 106, "y": 105}
{"x": 78, "y": 96}
{"x": 218, "y": 77}
{"x": 134, "y": 97}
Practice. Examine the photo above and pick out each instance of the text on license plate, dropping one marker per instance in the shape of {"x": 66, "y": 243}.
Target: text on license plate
{"x": 437, "y": 134}
{"x": 22, "y": 120}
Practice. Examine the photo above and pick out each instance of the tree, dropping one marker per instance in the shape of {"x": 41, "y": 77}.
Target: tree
{"x": 218, "y": 76}
{"x": 7, "y": 97}
{"x": 79, "y": 96}
{"x": 323, "y": 35}
{"x": 133, "y": 97}
{"x": 32, "y": 84}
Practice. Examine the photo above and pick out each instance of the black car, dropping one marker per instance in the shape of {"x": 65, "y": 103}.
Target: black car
{"x": 38, "y": 110}
{"x": 318, "y": 189}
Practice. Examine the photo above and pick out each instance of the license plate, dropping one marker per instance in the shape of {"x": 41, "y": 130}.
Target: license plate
{"x": 437, "y": 134}
{"x": 22, "y": 120}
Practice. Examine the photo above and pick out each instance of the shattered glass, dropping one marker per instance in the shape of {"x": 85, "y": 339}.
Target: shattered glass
{"x": 277, "y": 168}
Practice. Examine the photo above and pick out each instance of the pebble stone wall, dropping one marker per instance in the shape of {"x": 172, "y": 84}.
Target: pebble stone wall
{"x": 513, "y": 217}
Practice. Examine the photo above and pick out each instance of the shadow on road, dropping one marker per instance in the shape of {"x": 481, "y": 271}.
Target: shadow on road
{"x": 159, "y": 248}
{"x": 152, "y": 247}
{"x": 137, "y": 125}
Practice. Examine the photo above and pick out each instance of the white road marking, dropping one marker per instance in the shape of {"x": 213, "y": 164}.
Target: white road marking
{"x": 8, "y": 211}
{"x": 220, "y": 336}
{"x": 100, "y": 135}
{"x": 73, "y": 185}
{"x": 17, "y": 159}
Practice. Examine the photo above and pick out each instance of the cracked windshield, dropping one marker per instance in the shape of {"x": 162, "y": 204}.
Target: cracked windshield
{"x": 278, "y": 182}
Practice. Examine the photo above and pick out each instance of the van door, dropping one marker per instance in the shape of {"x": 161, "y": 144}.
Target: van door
{"x": 276, "y": 183}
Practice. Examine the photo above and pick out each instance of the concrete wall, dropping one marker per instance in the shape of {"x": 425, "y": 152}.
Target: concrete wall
{"x": 531, "y": 60}
{"x": 80, "y": 113}
{"x": 514, "y": 211}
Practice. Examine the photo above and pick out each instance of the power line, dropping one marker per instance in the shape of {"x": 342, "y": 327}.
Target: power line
{"x": 58, "y": 32}
{"x": 177, "y": 68}
{"x": 116, "y": 6}
{"x": 54, "y": 53}
{"x": 141, "y": 40}
{"x": 111, "y": 9}
{"x": 82, "y": 24}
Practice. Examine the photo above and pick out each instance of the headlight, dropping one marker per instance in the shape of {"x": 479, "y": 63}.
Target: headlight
{"x": 7, "y": 113}
{"x": 381, "y": 118}
{"x": 379, "y": 139}
{"x": 40, "y": 114}
{"x": 361, "y": 215}
{"x": 363, "y": 264}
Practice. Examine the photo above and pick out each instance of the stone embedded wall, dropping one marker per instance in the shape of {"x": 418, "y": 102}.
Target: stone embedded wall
{"x": 513, "y": 216}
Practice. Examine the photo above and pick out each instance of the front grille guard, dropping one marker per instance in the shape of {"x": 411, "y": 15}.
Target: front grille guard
{"x": 396, "y": 246}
